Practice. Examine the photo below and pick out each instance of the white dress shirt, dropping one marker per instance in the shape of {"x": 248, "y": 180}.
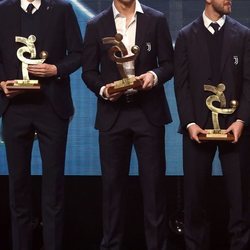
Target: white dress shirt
{"x": 207, "y": 22}
{"x": 25, "y": 3}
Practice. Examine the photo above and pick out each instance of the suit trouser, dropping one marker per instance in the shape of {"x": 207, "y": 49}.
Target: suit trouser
{"x": 20, "y": 122}
{"x": 245, "y": 171}
{"x": 198, "y": 160}
{"x": 132, "y": 128}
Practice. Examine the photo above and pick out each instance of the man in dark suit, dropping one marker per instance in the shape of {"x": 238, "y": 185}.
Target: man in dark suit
{"x": 45, "y": 112}
{"x": 128, "y": 119}
{"x": 211, "y": 55}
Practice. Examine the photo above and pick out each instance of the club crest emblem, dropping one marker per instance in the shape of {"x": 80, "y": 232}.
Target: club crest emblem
{"x": 236, "y": 60}
{"x": 149, "y": 47}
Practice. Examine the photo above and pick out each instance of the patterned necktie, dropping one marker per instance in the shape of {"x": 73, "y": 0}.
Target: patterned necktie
{"x": 30, "y": 8}
{"x": 216, "y": 27}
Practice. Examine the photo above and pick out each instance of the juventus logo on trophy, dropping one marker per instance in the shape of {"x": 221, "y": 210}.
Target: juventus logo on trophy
{"x": 127, "y": 82}
{"x": 29, "y": 48}
{"x": 217, "y": 133}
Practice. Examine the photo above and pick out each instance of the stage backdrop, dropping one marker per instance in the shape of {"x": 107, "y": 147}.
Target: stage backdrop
{"x": 82, "y": 150}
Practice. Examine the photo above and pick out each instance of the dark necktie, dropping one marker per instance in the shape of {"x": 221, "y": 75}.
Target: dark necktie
{"x": 30, "y": 8}
{"x": 216, "y": 27}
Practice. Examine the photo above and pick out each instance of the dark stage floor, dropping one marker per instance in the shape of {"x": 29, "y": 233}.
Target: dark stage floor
{"x": 83, "y": 223}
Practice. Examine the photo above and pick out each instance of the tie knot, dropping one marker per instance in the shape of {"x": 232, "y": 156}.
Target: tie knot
{"x": 215, "y": 26}
{"x": 30, "y": 8}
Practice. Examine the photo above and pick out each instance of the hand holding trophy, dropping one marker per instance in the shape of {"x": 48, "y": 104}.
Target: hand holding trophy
{"x": 218, "y": 134}
{"x": 127, "y": 82}
{"x": 26, "y": 83}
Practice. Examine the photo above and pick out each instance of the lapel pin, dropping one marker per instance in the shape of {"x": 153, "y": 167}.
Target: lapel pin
{"x": 149, "y": 47}
{"x": 236, "y": 60}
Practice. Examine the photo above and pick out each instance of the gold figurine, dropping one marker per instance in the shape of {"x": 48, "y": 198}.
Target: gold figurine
{"x": 217, "y": 133}
{"x": 127, "y": 82}
{"x": 26, "y": 82}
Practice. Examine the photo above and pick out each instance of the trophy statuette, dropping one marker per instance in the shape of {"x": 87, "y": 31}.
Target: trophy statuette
{"x": 127, "y": 82}
{"x": 218, "y": 134}
{"x": 26, "y": 83}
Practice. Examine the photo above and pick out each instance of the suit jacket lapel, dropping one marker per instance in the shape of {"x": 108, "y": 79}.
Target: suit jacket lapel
{"x": 48, "y": 10}
{"x": 202, "y": 46}
{"x": 229, "y": 34}
{"x": 14, "y": 27}
{"x": 141, "y": 22}
{"x": 14, "y": 22}
{"x": 109, "y": 22}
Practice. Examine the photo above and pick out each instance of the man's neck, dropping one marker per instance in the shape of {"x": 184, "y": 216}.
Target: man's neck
{"x": 212, "y": 14}
{"x": 126, "y": 9}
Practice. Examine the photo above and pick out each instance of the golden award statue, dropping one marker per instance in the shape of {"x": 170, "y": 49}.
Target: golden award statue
{"x": 218, "y": 134}
{"x": 127, "y": 82}
{"x": 30, "y": 48}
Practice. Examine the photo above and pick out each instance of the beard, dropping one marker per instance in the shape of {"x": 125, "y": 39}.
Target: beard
{"x": 126, "y": 2}
{"x": 224, "y": 8}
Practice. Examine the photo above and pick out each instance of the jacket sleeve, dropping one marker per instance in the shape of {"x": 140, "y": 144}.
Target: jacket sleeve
{"x": 165, "y": 51}
{"x": 72, "y": 59}
{"x": 244, "y": 107}
{"x": 181, "y": 82}
{"x": 91, "y": 60}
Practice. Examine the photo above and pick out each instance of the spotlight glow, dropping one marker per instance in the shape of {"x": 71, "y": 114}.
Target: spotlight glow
{"x": 82, "y": 8}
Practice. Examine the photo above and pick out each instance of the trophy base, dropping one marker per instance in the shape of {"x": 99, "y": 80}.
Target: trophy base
{"x": 125, "y": 84}
{"x": 213, "y": 135}
{"x": 24, "y": 85}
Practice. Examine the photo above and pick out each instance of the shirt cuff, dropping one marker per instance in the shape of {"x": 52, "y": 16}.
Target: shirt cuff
{"x": 101, "y": 93}
{"x": 239, "y": 120}
{"x": 190, "y": 124}
{"x": 1, "y": 89}
{"x": 155, "y": 77}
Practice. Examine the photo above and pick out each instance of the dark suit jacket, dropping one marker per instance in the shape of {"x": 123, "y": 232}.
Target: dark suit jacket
{"x": 61, "y": 38}
{"x": 192, "y": 71}
{"x": 98, "y": 69}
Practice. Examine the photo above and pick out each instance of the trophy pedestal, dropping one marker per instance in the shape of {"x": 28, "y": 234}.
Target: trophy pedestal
{"x": 124, "y": 84}
{"x": 24, "y": 85}
{"x": 213, "y": 135}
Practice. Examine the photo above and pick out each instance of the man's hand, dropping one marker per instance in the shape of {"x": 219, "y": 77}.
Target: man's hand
{"x": 194, "y": 130}
{"x": 236, "y": 129}
{"x": 111, "y": 97}
{"x": 42, "y": 70}
{"x": 148, "y": 81}
{"x": 10, "y": 93}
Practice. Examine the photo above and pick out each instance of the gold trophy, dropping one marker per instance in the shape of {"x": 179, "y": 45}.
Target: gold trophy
{"x": 218, "y": 134}
{"x": 127, "y": 82}
{"x": 30, "y": 48}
